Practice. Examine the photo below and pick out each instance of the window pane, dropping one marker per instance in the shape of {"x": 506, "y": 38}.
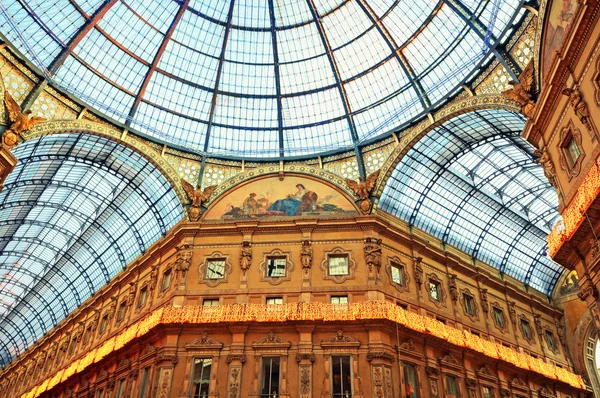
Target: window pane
{"x": 487, "y": 392}
{"x": 166, "y": 279}
{"x": 452, "y": 386}
{"x": 434, "y": 291}
{"x": 338, "y": 265}
{"x": 397, "y": 276}
{"x": 201, "y": 380}
{"x": 410, "y": 381}
{"x": 270, "y": 378}
{"x": 341, "y": 381}
{"x": 210, "y": 302}
{"x": 573, "y": 150}
{"x": 215, "y": 268}
{"x": 120, "y": 388}
{"x": 276, "y": 267}
{"x": 498, "y": 317}
{"x": 470, "y": 308}
{"x": 144, "y": 383}
{"x": 339, "y": 299}
{"x": 274, "y": 300}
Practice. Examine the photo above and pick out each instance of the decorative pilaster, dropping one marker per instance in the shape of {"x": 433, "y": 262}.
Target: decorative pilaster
{"x": 433, "y": 375}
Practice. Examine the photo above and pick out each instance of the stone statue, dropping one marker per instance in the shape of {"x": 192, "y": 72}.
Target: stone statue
{"x": 418, "y": 271}
{"x": 453, "y": 287}
{"x": 522, "y": 92}
{"x": 306, "y": 253}
{"x": 197, "y": 196}
{"x": 183, "y": 261}
{"x": 131, "y": 294}
{"x": 153, "y": 277}
{"x": 512, "y": 312}
{"x": 372, "y": 251}
{"x": 546, "y": 163}
{"x": 579, "y": 106}
{"x": 485, "y": 306}
{"x": 20, "y": 122}
{"x": 246, "y": 256}
{"x": 363, "y": 189}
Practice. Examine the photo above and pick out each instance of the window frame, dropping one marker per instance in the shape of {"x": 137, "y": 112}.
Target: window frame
{"x": 497, "y": 307}
{"x": 395, "y": 262}
{"x": 350, "y": 375}
{"x": 433, "y": 279}
{"x": 263, "y": 267}
{"x": 164, "y": 286}
{"x": 203, "y": 269}
{"x": 522, "y": 322}
{"x": 338, "y": 252}
{"x": 405, "y": 383}
{"x": 263, "y": 375}
{"x": 339, "y": 297}
{"x": 570, "y": 133}
{"x": 192, "y": 384}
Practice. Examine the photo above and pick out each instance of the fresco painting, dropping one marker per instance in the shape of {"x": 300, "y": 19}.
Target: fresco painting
{"x": 291, "y": 197}
{"x": 558, "y": 23}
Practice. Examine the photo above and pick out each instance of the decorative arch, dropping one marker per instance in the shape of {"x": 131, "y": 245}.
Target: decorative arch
{"x": 411, "y": 136}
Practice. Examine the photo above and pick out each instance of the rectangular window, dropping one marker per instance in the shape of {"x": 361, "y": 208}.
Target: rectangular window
{"x": 341, "y": 381}
{"x": 87, "y": 336}
{"x": 499, "y": 317}
{"x": 274, "y": 300}
{"x": 526, "y": 329}
{"x": 550, "y": 340}
{"x": 573, "y": 151}
{"x": 215, "y": 268}
{"x": 100, "y": 394}
{"x": 120, "y": 389}
{"x": 410, "y": 381}
{"x": 338, "y": 265}
{"x": 103, "y": 323}
{"x": 144, "y": 383}
{"x": 122, "y": 311}
{"x": 434, "y": 290}
{"x": 276, "y": 266}
{"x": 452, "y": 386}
{"x": 270, "y": 378}
{"x": 210, "y": 302}
{"x": 167, "y": 276}
{"x": 201, "y": 377}
{"x": 487, "y": 392}
{"x": 339, "y": 299}
{"x": 143, "y": 296}
{"x": 397, "y": 274}
{"x": 469, "y": 304}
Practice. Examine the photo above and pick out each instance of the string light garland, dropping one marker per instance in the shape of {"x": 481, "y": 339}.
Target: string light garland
{"x": 379, "y": 310}
{"x": 574, "y": 214}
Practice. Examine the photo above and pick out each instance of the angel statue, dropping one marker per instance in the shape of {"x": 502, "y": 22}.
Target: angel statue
{"x": 197, "y": 196}
{"x": 20, "y": 122}
{"x": 363, "y": 189}
{"x": 521, "y": 91}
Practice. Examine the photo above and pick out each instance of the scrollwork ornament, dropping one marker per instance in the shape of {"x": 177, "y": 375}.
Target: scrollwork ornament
{"x": 306, "y": 255}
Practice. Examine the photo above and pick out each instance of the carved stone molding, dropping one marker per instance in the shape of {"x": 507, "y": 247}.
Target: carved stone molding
{"x": 308, "y": 356}
{"x": 405, "y": 277}
{"x": 204, "y": 342}
{"x": 485, "y": 305}
{"x": 271, "y": 341}
{"x": 475, "y": 315}
{"x": 566, "y": 133}
{"x": 372, "y": 252}
{"x": 431, "y": 371}
{"x": 203, "y": 268}
{"x": 433, "y": 278}
{"x": 262, "y": 267}
{"x": 170, "y": 358}
{"x": 306, "y": 255}
{"x": 340, "y": 339}
{"x": 596, "y": 81}
{"x": 338, "y": 251}
{"x": 246, "y": 256}
{"x": 236, "y": 357}
{"x": 384, "y": 355}
{"x": 449, "y": 359}
{"x": 408, "y": 345}
{"x": 546, "y": 392}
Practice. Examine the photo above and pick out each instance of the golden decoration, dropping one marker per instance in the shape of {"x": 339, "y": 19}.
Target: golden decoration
{"x": 197, "y": 196}
{"x": 19, "y": 122}
{"x": 363, "y": 189}
{"x": 311, "y": 311}
{"x": 522, "y": 91}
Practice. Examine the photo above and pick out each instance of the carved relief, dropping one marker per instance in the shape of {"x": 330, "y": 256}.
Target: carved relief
{"x": 183, "y": 261}
{"x": 362, "y": 189}
{"x": 164, "y": 382}
{"x": 512, "y": 312}
{"x": 543, "y": 158}
{"x": 485, "y": 306}
{"x": 131, "y": 294}
{"x": 579, "y": 107}
{"x": 305, "y": 381}
{"x": 522, "y": 91}
{"x": 213, "y": 277}
{"x": 453, "y": 287}
{"x": 405, "y": 278}
{"x": 418, "y": 268}
{"x": 372, "y": 250}
{"x": 264, "y": 267}
{"x": 233, "y": 385}
{"x": 197, "y": 197}
{"x": 338, "y": 252}
{"x": 19, "y": 122}
{"x": 246, "y": 256}
{"x": 568, "y": 133}
{"x": 306, "y": 255}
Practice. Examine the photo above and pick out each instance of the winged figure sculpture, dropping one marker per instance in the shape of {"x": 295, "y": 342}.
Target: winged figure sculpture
{"x": 19, "y": 121}
{"x": 197, "y": 196}
{"x": 522, "y": 91}
{"x": 363, "y": 189}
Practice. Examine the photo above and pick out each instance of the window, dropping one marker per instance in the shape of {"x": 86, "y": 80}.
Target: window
{"x": 120, "y": 389}
{"x": 338, "y": 265}
{"x": 143, "y": 296}
{"x": 72, "y": 345}
{"x": 210, "y": 302}
{"x": 215, "y": 268}
{"x": 572, "y": 150}
{"x": 276, "y": 266}
{"x": 410, "y": 381}
{"x": 397, "y": 273}
{"x": 274, "y": 300}
{"x": 167, "y": 276}
{"x": 103, "y": 324}
{"x": 469, "y": 304}
{"x": 526, "y": 329}
{"x": 201, "y": 377}
{"x": 100, "y": 394}
{"x": 487, "y": 392}
{"x": 550, "y": 340}
{"x": 87, "y": 336}
{"x": 269, "y": 387}
{"x": 499, "y": 317}
{"x": 452, "y": 386}
{"x": 341, "y": 382}
{"x": 434, "y": 290}
{"x": 144, "y": 383}
{"x": 339, "y": 299}
{"x": 122, "y": 311}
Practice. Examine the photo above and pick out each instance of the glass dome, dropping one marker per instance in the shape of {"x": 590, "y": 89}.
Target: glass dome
{"x": 260, "y": 78}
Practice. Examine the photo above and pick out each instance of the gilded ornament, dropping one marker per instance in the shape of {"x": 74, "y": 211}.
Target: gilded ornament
{"x": 363, "y": 189}
{"x": 522, "y": 91}
{"x": 197, "y": 197}
{"x": 19, "y": 122}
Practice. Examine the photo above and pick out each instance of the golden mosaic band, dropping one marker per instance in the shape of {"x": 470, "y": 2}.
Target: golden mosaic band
{"x": 313, "y": 311}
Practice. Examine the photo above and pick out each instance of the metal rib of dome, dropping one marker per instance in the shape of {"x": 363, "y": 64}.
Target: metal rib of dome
{"x": 74, "y": 212}
{"x": 473, "y": 183}
{"x": 260, "y": 78}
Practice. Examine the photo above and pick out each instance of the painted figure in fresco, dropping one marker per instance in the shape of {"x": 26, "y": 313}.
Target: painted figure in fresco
{"x": 301, "y": 200}
{"x": 559, "y": 21}
{"x": 250, "y": 205}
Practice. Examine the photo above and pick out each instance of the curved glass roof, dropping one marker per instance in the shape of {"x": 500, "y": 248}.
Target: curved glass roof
{"x": 260, "y": 78}
{"x": 473, "y": 183}
{"x": 74, "y": 212}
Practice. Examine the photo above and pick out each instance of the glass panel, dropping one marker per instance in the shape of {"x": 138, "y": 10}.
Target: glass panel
{"x": 210, "y": 302}
{"x": 143, "y": 296}
{"x": 144, "y": 383}
{"x": 100, "y": 394}
{"x": 341, "y": 382}
{"x": 215, "y": 268}
{"x": 499, "y": 317}
{"x": 274, "y": 300}
{"x": 434, "y": 291}
{"x": 550, "y": 339}
{"x": 410, "y": 381}
{"x": 167, "y": 279}
{"x": 339, "y": 300}
{"x": 487, "y": 392}
{"x": 338, "y": 265}
{"x": 526, "y": 329}
{"x": 120, "y": 389}
{"x": 122, "y": 311}
{"x": 573, "y": 151}
{"x": 270, "y": 378}
{"x": 276, "y": 266}
{"x": 397, "y": 274}
{"x": 452, "y": 386}
{"x": 201, "y": 378}
{"x": 469, "y": 306}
